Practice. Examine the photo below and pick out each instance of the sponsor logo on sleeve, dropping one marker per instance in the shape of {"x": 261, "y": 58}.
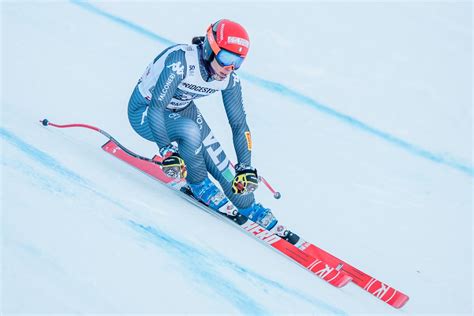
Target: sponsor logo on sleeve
{"x": 177, "y": 68}
{"x": 249, "y": 140}
{"x": 166, "y": 87}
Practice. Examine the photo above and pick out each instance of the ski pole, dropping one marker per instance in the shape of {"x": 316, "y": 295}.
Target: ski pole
{"x": 276, "y": 194}
{"x": 46, "y": 122}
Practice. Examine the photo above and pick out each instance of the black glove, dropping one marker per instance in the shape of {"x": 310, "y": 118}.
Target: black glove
{"x": 172, "y": 165}
{"x": 245, "y": 180}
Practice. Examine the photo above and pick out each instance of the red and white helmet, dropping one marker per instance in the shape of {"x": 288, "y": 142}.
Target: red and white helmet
{"x": 228, "y": 42}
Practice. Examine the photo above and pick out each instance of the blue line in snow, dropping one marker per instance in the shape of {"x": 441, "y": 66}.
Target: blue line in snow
{"x": 206, "y": 269}
{"x": 49, "y": 163}
{"x": 39, "y": 155}
{"x": 252, "y": 275}
{"x": 135, "y": 27}
{"x": 202, "y": 269}
{"x": 414, "y": 149}
{"x": 284, "y": 90}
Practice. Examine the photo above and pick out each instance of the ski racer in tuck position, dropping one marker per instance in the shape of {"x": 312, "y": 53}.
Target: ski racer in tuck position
{"x": 162, "y": 110}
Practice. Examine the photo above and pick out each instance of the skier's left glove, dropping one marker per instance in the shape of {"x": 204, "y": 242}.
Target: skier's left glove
{"x": 245, "y": 180}
{"x": 172, "y": 165}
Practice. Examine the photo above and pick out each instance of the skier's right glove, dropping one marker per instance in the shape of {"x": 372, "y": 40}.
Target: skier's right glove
{"x": 245, "y": 180}
{"x": 172, "y": 165}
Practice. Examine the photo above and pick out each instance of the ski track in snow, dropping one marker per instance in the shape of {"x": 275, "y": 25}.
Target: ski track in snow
{"x": 203, "y": 266}
{"x": 288, "y": 92}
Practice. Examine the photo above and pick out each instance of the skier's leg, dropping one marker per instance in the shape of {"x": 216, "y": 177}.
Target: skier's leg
{"x": 186, "y": 133}
{"x": 217, "y": 163}
{"x": 216, "y": 160}
{"x": 219, "y": 166}
{"x": 137, "y": 115}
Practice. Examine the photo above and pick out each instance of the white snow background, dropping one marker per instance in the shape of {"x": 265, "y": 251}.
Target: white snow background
{"x": 361, "y": 115}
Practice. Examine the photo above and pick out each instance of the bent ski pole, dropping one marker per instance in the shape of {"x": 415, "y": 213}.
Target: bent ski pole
{"x": 45, "y": 122}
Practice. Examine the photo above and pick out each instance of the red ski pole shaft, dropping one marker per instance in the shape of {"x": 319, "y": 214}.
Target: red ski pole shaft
{"x": 276, "y": 194}
{"x": 45, "y": 122}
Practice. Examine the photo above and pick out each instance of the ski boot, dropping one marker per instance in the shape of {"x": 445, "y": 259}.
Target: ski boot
{"x": 265, "y": 218}
{"x": 208, "y": 193}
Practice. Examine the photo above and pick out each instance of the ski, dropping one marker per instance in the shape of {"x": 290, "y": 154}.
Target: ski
{"x": 315, "y": 265}
{"x": 380, "y": 290}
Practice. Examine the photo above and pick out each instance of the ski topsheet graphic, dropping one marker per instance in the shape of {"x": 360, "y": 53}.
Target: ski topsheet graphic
{"x": 316, "y": 260}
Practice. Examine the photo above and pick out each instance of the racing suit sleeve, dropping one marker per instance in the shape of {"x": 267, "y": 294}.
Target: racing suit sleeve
{"x": 233, "y": 103}
{"x": 173, "y": 73}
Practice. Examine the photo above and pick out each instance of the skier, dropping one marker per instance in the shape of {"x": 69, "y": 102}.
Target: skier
{"x": 162, "y": 110}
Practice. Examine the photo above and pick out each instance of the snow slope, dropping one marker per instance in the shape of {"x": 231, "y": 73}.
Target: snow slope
{"x": 366, "y": 129}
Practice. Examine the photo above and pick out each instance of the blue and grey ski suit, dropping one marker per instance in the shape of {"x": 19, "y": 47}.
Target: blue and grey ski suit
{"x": 161, "y": 109}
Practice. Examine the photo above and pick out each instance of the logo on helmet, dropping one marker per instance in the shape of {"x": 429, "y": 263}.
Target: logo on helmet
{"x": 239, "y": 41}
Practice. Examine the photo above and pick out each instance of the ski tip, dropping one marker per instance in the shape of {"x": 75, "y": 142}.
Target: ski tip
{"x": 401, "y": 301}
{"x": 45, "y": 122}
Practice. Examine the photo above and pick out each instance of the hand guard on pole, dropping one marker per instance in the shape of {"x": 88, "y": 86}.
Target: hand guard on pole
{"x": 245, "y": 180}
{"x": 172, "y": 165}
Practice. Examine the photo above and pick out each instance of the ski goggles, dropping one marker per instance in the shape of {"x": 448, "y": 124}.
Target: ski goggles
{"x": 224, "y": 58}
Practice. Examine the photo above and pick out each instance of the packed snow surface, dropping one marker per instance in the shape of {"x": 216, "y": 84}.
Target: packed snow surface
{"x": 361, "y": 116}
